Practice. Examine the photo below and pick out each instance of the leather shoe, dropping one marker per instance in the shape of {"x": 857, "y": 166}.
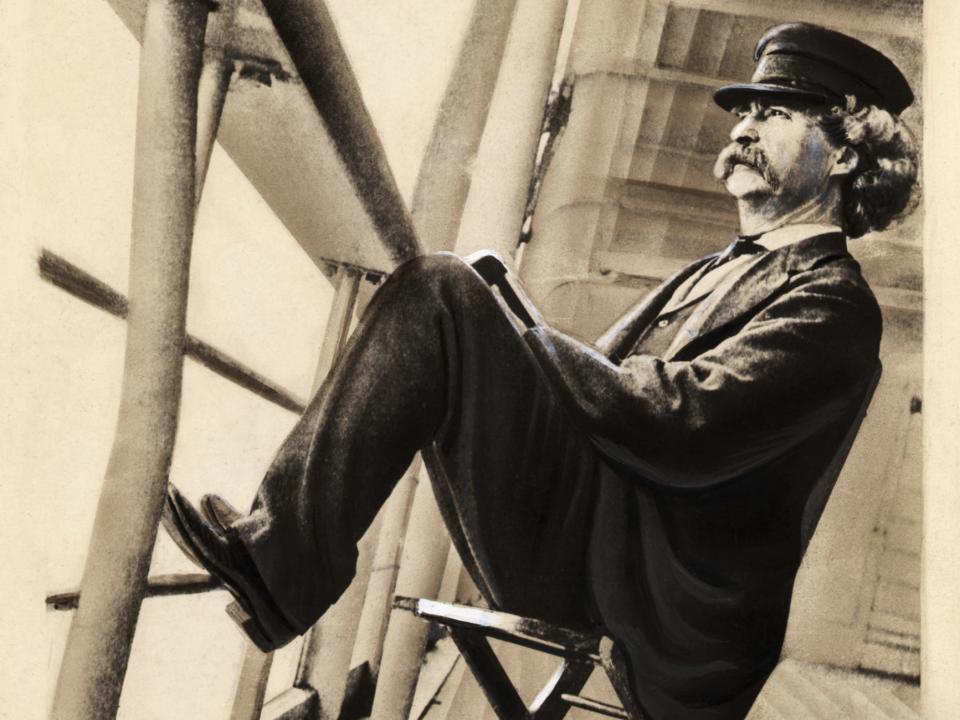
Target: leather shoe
{"x": 221, "y": 553}
{"x": 219, "y": 511}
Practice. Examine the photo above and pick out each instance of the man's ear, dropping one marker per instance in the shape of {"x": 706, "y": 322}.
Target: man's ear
{"x": 845, "y": 161}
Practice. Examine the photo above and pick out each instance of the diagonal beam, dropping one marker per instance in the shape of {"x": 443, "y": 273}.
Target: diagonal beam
{"x": 308, "y": 31}
{"x": 86, "y": 287}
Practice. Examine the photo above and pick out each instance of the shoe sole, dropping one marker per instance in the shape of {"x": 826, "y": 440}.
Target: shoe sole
{"x": 220, "y": 513}
{"x": 223, "y": 518}
{"x": 250, "y": 627}
{"x": 241, "y": 611}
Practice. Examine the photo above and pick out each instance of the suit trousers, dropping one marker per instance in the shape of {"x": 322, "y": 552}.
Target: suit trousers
{"x": 434, "y": 365}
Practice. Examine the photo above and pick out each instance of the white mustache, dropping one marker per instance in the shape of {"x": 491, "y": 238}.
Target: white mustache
{"x": 736, "y": 154}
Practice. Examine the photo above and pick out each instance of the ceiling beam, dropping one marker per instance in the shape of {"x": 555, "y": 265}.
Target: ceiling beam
{"x": 902, "y": 22}
{"x": 310, "y": 36}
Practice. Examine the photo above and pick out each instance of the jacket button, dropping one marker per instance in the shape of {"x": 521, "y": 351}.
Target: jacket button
{"x": 663, "y": 323}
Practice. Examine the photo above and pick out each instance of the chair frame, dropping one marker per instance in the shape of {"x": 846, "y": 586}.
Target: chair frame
{"x": 471, "y": 627}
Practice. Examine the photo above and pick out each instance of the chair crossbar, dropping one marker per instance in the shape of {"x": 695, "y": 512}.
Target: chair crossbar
{"x": 527, "y": 632}
{"x": 470, "y": 627}
{"x": 600, "y": 708}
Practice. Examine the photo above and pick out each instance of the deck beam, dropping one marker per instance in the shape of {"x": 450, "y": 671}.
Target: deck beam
{"x": 310, "y": 36}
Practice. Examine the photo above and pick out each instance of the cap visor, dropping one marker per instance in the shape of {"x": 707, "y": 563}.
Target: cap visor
{"x": 730, "y": 96}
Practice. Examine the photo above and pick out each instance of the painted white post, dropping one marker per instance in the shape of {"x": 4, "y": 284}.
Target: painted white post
{"x": 421, "y": 571}
{"x": 252, "y": 684}
{"x": 121, "y": 544}
{"x": 214, "y": 84}
{"x": 372, "y": 628}
{"x": 448, "y": 163}
{"x": 940, "y": 593}
{"x": 573, "y": 213}
{"x": 493, "y": 215}
{"x": 338, "y": 323}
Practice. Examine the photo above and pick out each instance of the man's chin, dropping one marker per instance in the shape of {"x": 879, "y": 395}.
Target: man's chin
{"x": 744, "y": 182}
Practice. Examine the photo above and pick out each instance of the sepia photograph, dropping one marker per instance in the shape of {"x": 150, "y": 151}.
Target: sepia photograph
{"x": 481, "y": 360}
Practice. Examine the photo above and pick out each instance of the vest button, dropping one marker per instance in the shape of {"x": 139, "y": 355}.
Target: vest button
{"x": 663, "y": 323}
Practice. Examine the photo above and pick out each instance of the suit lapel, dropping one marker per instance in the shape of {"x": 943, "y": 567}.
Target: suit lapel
{"x": 617, "y": 342}
{"x": 733, "y": 299}
{"x": 690, "y": 298}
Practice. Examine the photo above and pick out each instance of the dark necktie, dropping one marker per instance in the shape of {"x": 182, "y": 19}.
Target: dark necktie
{"x": 742, "y": 245}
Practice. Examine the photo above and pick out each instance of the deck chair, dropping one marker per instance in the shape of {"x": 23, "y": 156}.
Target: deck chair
{"x": 580, "y": 653}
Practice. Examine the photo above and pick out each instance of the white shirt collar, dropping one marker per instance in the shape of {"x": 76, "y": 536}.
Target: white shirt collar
{"x": 789, "y": 234}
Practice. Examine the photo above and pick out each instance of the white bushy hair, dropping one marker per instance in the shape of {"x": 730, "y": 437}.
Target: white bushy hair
{"x": 881, "y": 188}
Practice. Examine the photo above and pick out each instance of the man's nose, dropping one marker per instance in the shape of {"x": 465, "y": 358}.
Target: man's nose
{"x": 745, "y": 131}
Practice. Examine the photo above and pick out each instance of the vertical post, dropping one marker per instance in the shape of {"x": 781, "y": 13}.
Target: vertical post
{"x": 214, "y": 83}
{"x": 445, "y": 173}
{"x": 421, "y": 572}
{"x": 438, "y": 201}
{"x": 125, "y": 527}
{"x": 338, "y": 322}
{"x": 573, "y": 210}
{"x": 372, "y": 628}
{"x": 252, "y": 686}
{"x": 211, "y": 97}
{"x": 494, "y": 210}
{"x": 940, "y": 591}
{"x": 328, "y": 645}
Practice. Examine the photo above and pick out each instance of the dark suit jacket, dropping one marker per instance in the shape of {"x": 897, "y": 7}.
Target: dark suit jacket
{"x": 717, "y": 461}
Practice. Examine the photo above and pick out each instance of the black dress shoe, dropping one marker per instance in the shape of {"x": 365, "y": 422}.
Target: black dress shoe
{"x": 221, "y": 553}
{"x": 219, "y": 511}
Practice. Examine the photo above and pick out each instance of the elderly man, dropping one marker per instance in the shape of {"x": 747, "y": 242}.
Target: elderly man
{"x": 660, "y": 485}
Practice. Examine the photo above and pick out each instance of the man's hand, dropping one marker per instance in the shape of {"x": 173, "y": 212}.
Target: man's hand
{"x": 508, "y": 289}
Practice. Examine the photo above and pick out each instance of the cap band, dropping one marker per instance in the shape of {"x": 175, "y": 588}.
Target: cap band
{"x": 813, "y": 73}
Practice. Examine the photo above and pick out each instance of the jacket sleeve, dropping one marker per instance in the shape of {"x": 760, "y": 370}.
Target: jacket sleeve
{"x": 797, "y": 365}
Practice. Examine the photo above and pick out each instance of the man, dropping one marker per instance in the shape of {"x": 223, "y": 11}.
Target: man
{"x": 660, "y": 485}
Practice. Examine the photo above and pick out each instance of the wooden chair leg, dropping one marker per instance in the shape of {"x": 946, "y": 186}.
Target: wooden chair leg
{"x": 569, "y": 679}
{"x": 613, "y": 662}
{"x": 490, "y": 674}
